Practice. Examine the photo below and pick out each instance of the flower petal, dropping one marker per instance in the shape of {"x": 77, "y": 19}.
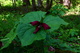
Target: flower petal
{"x": 34, "y": 23}
{"x": 51, "y": 48}
{"x": 45, "y": 26}
{"x": 1, "y": 44}
{"x": 37, "y": 29}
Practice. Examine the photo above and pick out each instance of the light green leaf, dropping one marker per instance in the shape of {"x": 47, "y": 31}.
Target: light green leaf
{"x": 26, "y": 36}
{"x": 8, "y": 39}
{"x": 54, "y": 22}
{"x": 32, "y": 16}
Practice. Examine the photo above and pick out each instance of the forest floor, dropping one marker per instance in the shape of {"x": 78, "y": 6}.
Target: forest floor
{"x": 9, "y": 15}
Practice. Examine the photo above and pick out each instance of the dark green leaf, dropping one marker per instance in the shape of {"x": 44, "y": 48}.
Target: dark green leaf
{"x": 26, "y": 36}
{"x": 33, "y": 16}
{"x": 54, "y": 22}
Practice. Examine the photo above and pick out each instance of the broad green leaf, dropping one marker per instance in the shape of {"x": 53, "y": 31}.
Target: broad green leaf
{"x": 26, "y": 36}
{"x": 32, "y": 16}
{"x": 54, "y": 22}
{"x": 8, "y": 39}
{"x": 25, "y": 29}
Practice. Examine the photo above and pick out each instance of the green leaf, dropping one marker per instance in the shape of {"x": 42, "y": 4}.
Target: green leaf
{"x": 32, "y": 16}
{"x": 61, "y": 13}
{"x": 26, "y": 36}
{"x": 54, "y": 22}
{"x": 73, "y": 32}
{"x": 8, "y": 39}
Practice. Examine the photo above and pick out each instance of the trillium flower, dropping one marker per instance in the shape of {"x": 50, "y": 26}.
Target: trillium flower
{"x": 39, "y": 25}
{"x": 51, "y": 48}
{"x": 1, "y": 44}
{"x": 34, "y": 23}
{"x": 37, "y": 29}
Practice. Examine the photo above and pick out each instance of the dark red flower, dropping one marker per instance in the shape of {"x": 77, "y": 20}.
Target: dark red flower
{"x": 1, "y": 44}
{"x": 37, "y": 29}
{"x": 45, "y": 26}
{"x": 34, "y": 23}
{"x": 51, "y": 48}
{"x": 39, "y": 25}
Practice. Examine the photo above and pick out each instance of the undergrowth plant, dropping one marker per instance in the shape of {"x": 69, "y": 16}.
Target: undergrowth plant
{"x": 33, "y": 26}
{"x": 58, "y": 9}
{"x": 47, "y": 32}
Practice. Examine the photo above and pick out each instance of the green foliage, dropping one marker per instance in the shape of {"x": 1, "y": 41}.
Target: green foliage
{"x": 32, "y": 16}
{"x": 62, "y": 36}
{"x": 54, "y": 22}
{"x": 10, "y": 3}
{"x": 7, "y": 21}
{"x": 25, "y": 30}
{"x": 75, "y": 10}
{"x": 58, "y": 10}
{"x": 75, "y": 3}
{"x": 26, "y": 36}
{"x": 8, "y": 38}
{"x": 67, "y": 37}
